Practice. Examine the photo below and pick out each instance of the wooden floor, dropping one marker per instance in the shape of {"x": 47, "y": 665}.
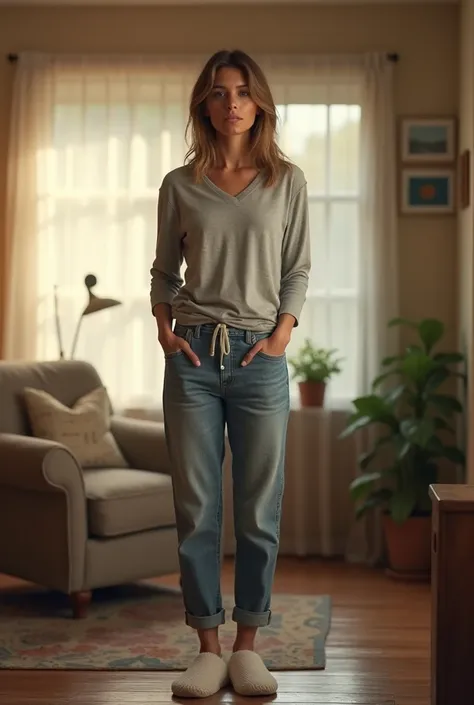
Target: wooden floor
{"x": 377, "y": 650}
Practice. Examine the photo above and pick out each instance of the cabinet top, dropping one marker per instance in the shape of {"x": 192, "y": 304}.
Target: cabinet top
{"x": 453, "y": 497}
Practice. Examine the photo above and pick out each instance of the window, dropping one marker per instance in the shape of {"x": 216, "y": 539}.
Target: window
{"x": 324, "y": 141}
{"x": 109, "y": 147}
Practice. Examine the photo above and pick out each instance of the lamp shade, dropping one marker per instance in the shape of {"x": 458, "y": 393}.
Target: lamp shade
{"x": 96, "y": 303}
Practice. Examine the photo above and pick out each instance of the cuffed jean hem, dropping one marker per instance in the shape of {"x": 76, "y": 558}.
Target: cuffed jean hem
{"x": 251, "y": 619}
{"x": 211, "y": 622}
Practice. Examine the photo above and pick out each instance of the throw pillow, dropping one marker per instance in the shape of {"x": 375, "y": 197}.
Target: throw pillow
{"x": 84, "y": 428}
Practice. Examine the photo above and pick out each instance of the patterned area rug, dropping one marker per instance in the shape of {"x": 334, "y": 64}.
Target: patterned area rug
{"x": 141, "y": 627}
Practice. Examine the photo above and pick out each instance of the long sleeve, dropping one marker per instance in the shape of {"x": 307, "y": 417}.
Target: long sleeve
{"x": 296, "y": 256}
{"x": 166, "y": 279}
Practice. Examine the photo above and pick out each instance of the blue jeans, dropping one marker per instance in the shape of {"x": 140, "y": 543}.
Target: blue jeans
{"x": 253, "y": 402}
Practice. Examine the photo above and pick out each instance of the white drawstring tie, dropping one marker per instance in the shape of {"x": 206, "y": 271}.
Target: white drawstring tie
{"x": 224, "y": 342}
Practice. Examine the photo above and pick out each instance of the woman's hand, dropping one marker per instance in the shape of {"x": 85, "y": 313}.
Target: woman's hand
{"x": 274, "y": 346}
{"x": 172, "y": 343}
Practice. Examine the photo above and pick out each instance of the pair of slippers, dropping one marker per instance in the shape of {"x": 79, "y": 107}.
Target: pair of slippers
{"x": 209, "y": 673}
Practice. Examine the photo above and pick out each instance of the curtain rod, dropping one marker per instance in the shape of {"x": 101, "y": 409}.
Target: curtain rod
{"x": 13, "y": 58}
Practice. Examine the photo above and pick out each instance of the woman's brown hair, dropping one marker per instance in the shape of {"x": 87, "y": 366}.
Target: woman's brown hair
{"x": 266, "y": 154}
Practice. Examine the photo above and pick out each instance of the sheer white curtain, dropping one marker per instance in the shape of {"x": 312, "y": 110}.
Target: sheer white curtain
{"x": 91, "y": 141}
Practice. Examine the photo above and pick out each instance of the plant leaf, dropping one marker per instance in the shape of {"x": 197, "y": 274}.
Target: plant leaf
{"x": 404, "y": 450}
{"x": 417, "y": 366}
{"x": 372, "y": 405}
{"x": 359, "y": 422}
{"x": 378, "y": 380}
{"x": 377, "y": 498}
{"x": 436, "y": 379}
{"x": 434, "y": 445}
{"x": 395, "y": 393}
{"x": 390, "y": 360}
{"x": 454, "y": 454}
{"x": 431, "y": 331}
{"x": 445, "y": 404}
{"x": 365, "y": 459}
{"x": 448, "y": 358}
{"x": 442, "y": 425}
{"x": 362, "y": 485}
{"x": 418, "y": 431}
{"x": 402, "y": 322}
{"x": 402, "y": 504}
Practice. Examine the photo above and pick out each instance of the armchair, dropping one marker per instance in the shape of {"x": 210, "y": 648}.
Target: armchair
{"x": 74, "y": 529}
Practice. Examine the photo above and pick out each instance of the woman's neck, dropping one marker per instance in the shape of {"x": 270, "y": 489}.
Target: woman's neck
{"x": 233, "y": 153}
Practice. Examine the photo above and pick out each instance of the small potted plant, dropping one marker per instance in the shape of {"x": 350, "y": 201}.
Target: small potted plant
{"x": 313, "y": 367}
{"x": 411, "y": 421}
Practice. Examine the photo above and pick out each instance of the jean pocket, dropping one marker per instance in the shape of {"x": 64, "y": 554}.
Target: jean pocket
{"x": 170, "y": 356}
{"x": 275, "y": 358}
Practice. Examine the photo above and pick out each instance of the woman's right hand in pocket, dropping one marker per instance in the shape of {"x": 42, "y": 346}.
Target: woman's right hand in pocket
{"x": 172, "y": 343}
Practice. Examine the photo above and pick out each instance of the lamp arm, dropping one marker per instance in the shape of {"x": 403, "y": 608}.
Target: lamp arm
{"x": 76, "y": 335}
{"x": 58, "y": 324}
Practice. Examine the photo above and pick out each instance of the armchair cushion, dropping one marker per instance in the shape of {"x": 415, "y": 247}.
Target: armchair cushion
{"x": 84, "y": 428}
{"x": 124, "y": 501}
{"x": 142, "y": 442}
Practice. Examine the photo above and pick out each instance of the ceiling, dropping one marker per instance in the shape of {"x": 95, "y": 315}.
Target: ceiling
{"x": 137, "y": 3}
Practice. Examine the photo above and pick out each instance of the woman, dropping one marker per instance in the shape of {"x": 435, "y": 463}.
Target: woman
{"x": 237, "y": 214}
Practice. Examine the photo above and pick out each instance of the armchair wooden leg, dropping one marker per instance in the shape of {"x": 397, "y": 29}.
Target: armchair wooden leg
{"x": 80, "y": 601}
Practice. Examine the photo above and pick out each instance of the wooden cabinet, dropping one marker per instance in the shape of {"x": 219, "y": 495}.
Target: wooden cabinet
{"x": 452, "y": 569}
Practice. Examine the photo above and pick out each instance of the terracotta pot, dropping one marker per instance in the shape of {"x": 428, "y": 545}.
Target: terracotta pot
{"x": 408, "y": 547}
{"x": 312, "y": 393}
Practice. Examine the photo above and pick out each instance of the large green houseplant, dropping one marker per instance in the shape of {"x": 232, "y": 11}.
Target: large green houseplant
{"x": 313, "y": 368}
{"x": 413, "y": 424}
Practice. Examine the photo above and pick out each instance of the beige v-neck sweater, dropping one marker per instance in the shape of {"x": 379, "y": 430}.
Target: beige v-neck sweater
{"x": 247, "y": 256}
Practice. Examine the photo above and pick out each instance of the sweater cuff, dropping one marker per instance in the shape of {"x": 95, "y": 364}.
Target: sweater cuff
{"x": 292, "y": 305}
{"x": 162, "y": 296}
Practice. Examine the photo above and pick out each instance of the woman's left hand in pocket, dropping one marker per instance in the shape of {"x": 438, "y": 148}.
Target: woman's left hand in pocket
{"x": 275, "y": 346}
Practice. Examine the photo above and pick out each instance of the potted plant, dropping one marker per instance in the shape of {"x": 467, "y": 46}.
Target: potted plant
{"x": 412, "y": 421}
{"x": 314, "y": 367}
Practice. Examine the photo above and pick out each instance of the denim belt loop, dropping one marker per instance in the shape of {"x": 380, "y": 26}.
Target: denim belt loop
{"x": 197, "y": 331}
{"x": 189, "y": 335}
{"x": 250, "y": 338}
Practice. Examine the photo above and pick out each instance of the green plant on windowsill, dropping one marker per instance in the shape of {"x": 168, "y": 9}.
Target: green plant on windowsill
{"x": 314, "y": 367}
{"x": 412, "y": 418}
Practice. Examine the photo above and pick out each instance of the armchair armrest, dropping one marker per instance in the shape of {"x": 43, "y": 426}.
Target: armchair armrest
{"x": 48, "y": 531}
{"x": 143, "y": 443}
{"x": 37, "y": 464}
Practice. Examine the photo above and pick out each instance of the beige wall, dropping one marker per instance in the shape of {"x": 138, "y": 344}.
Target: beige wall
{"x": 466, "y": 225}
{"x": 426, "y": 84}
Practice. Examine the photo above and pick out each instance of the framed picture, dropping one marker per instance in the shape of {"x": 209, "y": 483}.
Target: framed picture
{"x": 465, "y": 179}
{"x": 427, "y": 191}
{"x": 428, "y": 141}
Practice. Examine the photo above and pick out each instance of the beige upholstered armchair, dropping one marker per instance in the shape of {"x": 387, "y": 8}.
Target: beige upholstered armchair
{"x": 70, "y": 528}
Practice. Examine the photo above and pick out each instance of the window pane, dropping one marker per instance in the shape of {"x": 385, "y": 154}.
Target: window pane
{"x": 344, "y": 335}
{"x": 319, "y": 275}
{"x": 343, "y": 246}
{"x": 344, "y": 123}
{"x": 303, "y": 139}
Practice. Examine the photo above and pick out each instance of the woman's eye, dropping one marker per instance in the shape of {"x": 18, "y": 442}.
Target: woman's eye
{"x": 244, "y": 93}
{"x": 218, "y": 94}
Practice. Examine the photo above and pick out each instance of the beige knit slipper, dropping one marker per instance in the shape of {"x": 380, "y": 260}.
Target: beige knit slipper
{"x": 249, "y": 675}
{"x": 204, "y": 677}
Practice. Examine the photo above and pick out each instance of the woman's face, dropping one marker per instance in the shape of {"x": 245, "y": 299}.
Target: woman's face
{"x": 229, "y": 105}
